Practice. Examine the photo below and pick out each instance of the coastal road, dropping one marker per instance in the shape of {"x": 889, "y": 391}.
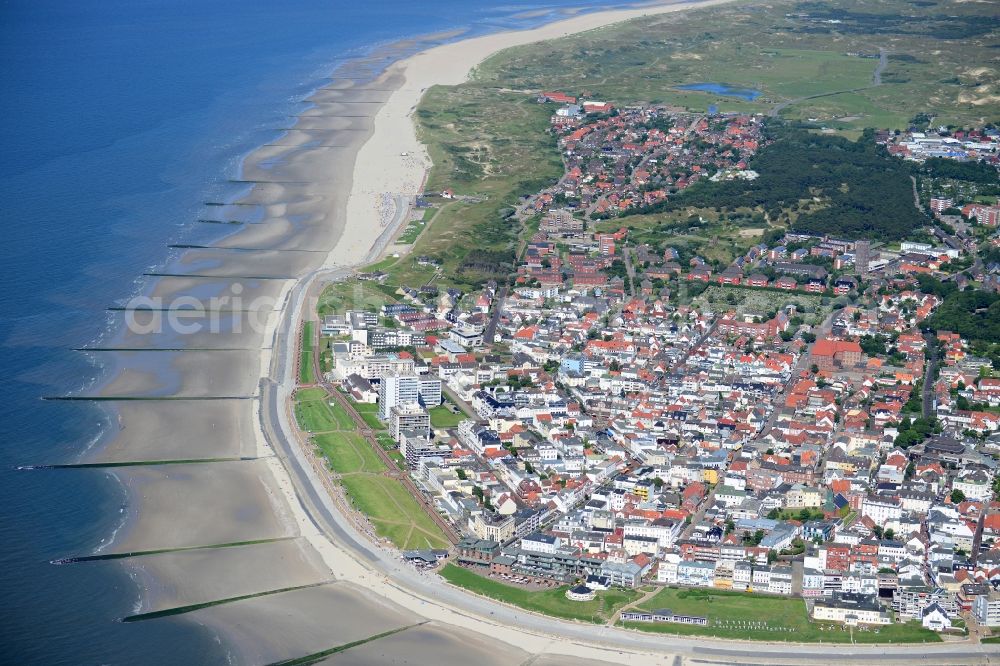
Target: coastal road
{"x": 432, "y": 591}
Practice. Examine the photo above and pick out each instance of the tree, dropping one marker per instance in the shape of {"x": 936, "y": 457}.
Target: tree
{"x": 730, "y": 525}
{"x": 772, "y": 557}
{"x": 866, "y": 192}
{"x": 957, "y": 496}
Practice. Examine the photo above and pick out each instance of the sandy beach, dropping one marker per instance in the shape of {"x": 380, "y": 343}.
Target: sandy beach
{"x": 382, "y": 166}
{"x": 320, "y": 201}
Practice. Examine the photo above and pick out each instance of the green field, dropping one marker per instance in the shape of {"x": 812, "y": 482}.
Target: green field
{"x": 355, "y": 295}
{"x": 750, "y": 300}
{"x": 315, "y": 413}
{"x": 415, "y": 227}
{"x": 443, "y": 417}
{"x": 786, "y": 619}
{"x": 547, "y": 602}
{"x": 306, "y": 371}
{"x": 369, "y": 412}
{"x": 393, "y": 511}
{"x": 348, "y": 453}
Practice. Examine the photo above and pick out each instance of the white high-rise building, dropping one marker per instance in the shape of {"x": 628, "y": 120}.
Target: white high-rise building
{"x": 430, "y": 391}
{"x": 395, "y": 390}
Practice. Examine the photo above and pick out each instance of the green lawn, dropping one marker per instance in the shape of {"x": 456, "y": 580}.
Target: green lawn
{"x": 369, "y": 412}
{"x": 349, "y": 452}
{"x": 315, "y": 413}
{"x": 413, "y": 229}
{"x": 785, "y": 616}
{"x": 306, "y": 373}
{"x": 443, "y": 417}
{"x": 393, "y": 511}
{"x": 356, "y": 294}
{"x": 312, "y": 411}
{"x": 395, "y": 514}
{"x": 548, "y": 602}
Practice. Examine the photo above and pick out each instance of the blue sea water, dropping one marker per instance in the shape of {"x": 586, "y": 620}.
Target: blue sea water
{"x": 119, "y": 118}
{"x": 746, "y": 94}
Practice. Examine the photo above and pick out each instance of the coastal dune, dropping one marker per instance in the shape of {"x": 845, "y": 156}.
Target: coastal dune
{"x": 381, "y": 164}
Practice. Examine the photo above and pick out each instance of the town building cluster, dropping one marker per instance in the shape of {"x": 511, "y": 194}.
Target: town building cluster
{"x": 782, "y": 425}
{"x": 622, "y": 159}
{"x": 972, "y": 145}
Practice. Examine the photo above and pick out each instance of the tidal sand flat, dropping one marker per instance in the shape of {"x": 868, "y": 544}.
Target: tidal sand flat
{"x": 613, "y": 657}
{"x": 190, "y": 577}
{"x": 272, "y": 628}
{"x": 201, "y": 504}
{"x": 435, "y": 644}
{"x": 199, "y": 430}
{"x": 289, "y": 230}
{"x": 183, "y": 374}
{"x": 212, "y": 293}
{"x": 282, "y": 163}
{"x": 234, "y": 263}
{"x": 190, "y": 325}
